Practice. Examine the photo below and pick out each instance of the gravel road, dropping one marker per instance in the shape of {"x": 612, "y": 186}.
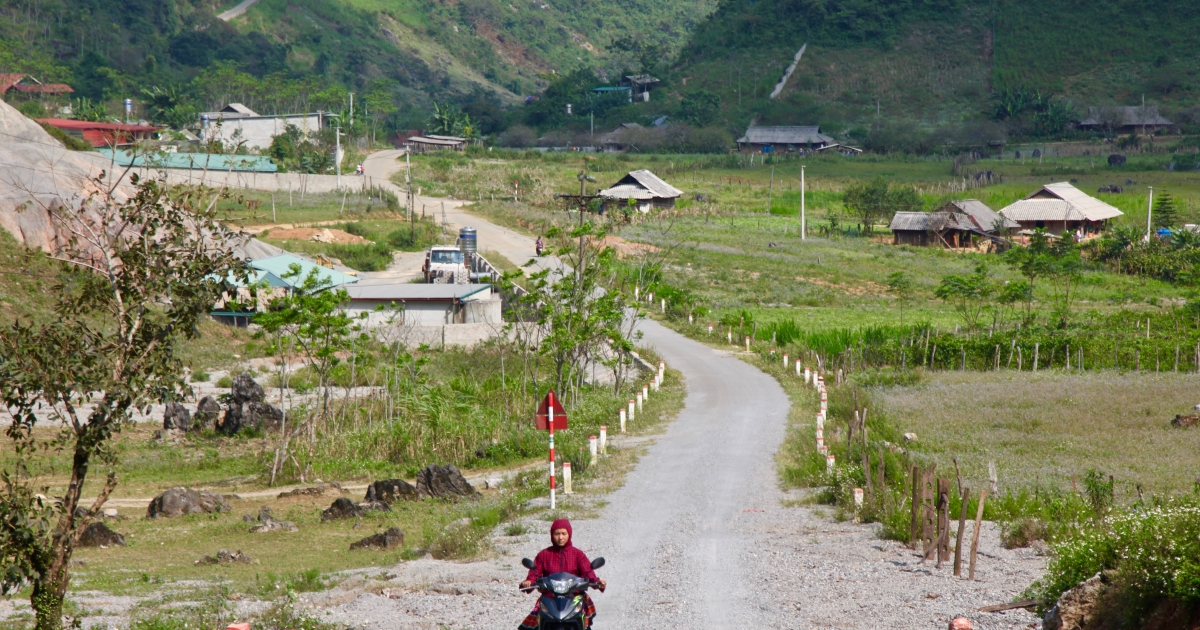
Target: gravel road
{"x": 699, "y": 537}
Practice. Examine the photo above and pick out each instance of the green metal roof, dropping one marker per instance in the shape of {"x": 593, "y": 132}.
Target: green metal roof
{"x": 277, "y": 269}
{"x": 198, "y": 161}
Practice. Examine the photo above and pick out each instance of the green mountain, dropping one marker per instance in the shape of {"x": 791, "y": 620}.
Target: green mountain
{"x": 289, "y": 54}
{"x": 880, "y": 70}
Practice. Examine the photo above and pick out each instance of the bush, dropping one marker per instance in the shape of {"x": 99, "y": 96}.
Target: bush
{"x": 225, "y": 382}
{"x": 200, "y": 376}
{"x": 1154, "y": 554}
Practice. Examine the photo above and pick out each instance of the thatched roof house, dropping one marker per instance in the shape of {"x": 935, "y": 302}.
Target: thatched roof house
{"x": 646, "y": 189}
{"x": 779, "y": 139}
{"x": 959, "y": 223}
{"x": 1060, "y": 207}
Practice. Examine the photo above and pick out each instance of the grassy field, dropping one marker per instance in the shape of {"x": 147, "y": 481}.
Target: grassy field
{"x": 1049, "y": 428}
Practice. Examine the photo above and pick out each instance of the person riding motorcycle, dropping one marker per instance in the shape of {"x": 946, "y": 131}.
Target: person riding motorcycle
{"x": 538, "y": 246}
{"x": 561, "y": 557}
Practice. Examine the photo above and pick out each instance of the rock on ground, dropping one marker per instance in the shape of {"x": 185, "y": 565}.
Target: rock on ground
{"x": 176, "y": 416}
{"x": 224, "y": 557}
{"x": 99, "y": 535}
{"x": 268, "y": 523}
{"x": 342, "y": 508}
{"x": 1079, "y": 607}
{"x": 246, "y": 390}
{"x": 393, "y": 537}
{"x": 312, "y": 491}
{"x": 442, "y": 481}
{"x": 179, "y": 501}
{"x": 391, "y": 490}
{"x": 208, "y": 411}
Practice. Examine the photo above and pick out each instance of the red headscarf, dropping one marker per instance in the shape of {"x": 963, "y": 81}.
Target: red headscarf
{"x": 564, "y": 559}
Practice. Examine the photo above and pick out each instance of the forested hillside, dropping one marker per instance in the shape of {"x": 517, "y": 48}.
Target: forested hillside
{"x": 282, "y": 54}
{"x": 879, "y": 69}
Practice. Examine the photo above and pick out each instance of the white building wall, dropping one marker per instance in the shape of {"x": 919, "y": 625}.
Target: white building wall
{"x": 257, "y": 132}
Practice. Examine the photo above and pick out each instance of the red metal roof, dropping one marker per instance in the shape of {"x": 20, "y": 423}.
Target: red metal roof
{"x": 44, "y": 88}
{"x": 7, "y": 81}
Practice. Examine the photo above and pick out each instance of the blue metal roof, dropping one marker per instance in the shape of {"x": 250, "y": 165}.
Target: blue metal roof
{"x": 197, "y": 161}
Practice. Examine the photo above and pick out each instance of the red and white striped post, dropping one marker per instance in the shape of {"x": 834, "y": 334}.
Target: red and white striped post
{"x": 604, "y": 440}
{"x": 829, "y": 464}
{"x": 550, "y": 411}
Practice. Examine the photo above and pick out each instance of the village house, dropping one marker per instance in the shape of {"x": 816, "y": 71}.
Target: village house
{"x": 957, "y": 224}
{"x": 640, "y": 86}
{"x": 1061, "y": 207}
{"x": 618, "y": 140}
{"x": 427, "y": 143}
{"x": 25, "y": 87}
{"x": 102, "y": 134}
{"x": 782, "y": 139}
{"x": 1126, "y": 120}
{"x": 646, "y": 190}
{"x": 423, "y": 304}
{"x": 236, "y": 123}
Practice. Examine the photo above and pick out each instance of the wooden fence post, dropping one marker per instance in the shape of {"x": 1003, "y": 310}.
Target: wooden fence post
{"x": 975, "y": 535}
{"x": 943, "y": 523}
{"x": 965, "y": 495}
{"x": 1035, "y": 355}
{"x": 914, "y": 530}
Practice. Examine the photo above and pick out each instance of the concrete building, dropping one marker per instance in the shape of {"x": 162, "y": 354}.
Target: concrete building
{"x": 236, "y": 123}
{"x": 419, "y": 305}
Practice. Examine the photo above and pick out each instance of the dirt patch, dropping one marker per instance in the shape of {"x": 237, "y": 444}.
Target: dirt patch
{"x": 625, "y": 248}
{"x": 320, "y": 235}
{"x": 866, "y": 287}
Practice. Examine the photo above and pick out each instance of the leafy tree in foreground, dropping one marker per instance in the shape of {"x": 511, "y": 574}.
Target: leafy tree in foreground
{"x": 900, "y": 284}
{"x": 137, "y": 275}
{"x": 968, "y": 294}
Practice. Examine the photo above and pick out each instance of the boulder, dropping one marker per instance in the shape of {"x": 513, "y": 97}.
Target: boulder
{"x": 179, "y": 501}
{"x": 1078, "y": 608}
{"x": 231, "y": 421}
{"x": 99, "y": 535}
{"x": 392, "y": 538}
{"x": 261, "y": 416}
{"x": 268, "y": 523}
{"x": 176, "y": 416}
{"x": 1186, "y": 421}
{"x": 312, "y": 491}
{"x": 207, "y": 414}
{"x": 342, "y": 508}
{"x": 443, "y": 481}
{"x": 1116, "y": 159}
{"x": 391, "y": 490}
{"x": 224, "y": 557}
{"x": 246, "y": 390}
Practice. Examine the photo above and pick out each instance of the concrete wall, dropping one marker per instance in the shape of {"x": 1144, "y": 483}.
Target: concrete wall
{"x": 428, "y": 313}
{"x": 282, "y": 182}
{"x": 465, "y": 335}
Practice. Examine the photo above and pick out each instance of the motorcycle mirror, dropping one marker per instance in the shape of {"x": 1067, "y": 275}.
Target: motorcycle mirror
{"x": 597, "y": 563}
{"x": 527, "y": 563}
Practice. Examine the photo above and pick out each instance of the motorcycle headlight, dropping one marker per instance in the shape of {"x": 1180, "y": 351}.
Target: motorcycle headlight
{"x": 560, "y": 587}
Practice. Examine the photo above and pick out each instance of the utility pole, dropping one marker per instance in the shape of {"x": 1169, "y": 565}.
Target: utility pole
{"x": 337, "y": 154}
{"x": 352, "y": 110}
{"x": 1149, "y": 212}
{"x": 771, "y": 191}
{"x": 803, "y": 234}
{"x": 582, "y": 199}
{"x": 412, "y": 216}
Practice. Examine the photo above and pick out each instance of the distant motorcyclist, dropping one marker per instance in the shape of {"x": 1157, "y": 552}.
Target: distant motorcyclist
{"x": 538, "y": 246}
{"x": 561, "y": 557}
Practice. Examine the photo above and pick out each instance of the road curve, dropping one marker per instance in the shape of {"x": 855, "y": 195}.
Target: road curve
{"x": 679, "y": 550}
{"x": 241, "y": 8}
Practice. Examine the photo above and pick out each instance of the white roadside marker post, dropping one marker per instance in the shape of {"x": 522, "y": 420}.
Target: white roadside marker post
{"x": 622, "y": 421}
{"x": 567, "y": 478}
{"x": 646, "y": 392}
{"x": 639, "y": 401}
{"x": 592, "y": 448}
{"x": 604, "y": 440}
{"x": 631, "y": 407}
{"x": 829, "y": 464}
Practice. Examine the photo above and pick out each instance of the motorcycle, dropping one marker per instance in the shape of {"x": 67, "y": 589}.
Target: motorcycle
{"x": 562, "y": 598}
{"x": 538, "y": 247}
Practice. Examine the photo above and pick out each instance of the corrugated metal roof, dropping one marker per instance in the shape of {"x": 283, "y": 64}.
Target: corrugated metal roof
{"x": 281, "y": 266}
{"x": 400, "y": 292}
{"x": 642, "y": 179}
{"x": 1042, "y": 210}
{"x": 1125, "y": 115}
{"x": 985, "y": 218}
{"x": 212, "y": 162}
{"x": 1092, "y": 208}
{"x": 785, "y": 135}
{"x": 436, "y": 141}
{"x": 925, "y": 221}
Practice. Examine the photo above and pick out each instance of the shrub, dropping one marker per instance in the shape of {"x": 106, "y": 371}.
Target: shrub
{"x": 225, "y": 382}
{"x": 200, "y": 376}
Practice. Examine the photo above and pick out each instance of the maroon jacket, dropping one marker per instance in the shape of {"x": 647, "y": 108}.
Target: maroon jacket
{"x": 565, "y": 559}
